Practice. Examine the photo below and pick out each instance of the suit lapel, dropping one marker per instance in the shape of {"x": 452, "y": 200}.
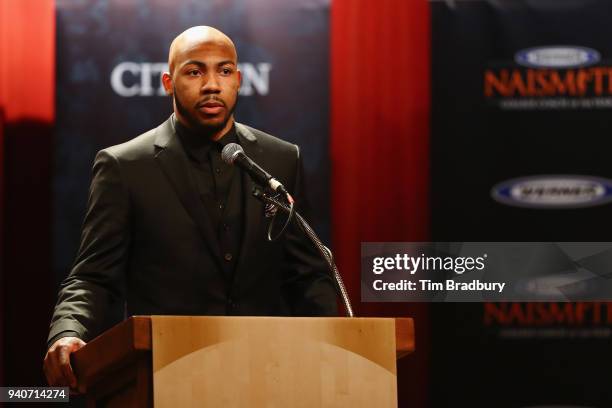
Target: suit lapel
{"x": 175, "y": 165}
{"x": 253, "y": 208}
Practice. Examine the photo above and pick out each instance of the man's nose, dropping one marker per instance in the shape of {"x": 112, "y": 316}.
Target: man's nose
{"x": 211, "y": 85}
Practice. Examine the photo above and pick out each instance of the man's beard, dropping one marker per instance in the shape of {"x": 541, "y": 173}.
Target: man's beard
{"x": 197, "y": 126}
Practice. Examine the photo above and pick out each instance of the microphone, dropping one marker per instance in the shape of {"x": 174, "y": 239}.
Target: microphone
{"x": 233, "y": 153}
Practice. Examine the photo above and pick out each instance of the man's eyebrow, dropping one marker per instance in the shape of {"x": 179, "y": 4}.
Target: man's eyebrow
{"x": 194, "y": 62}
{"x": 230, "y": 62}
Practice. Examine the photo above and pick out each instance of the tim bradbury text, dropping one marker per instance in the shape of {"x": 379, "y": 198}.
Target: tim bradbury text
{"x": 428, "y": 285}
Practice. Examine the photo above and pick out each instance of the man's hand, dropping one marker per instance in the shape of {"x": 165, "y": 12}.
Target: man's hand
{"x": 57, "y": 362}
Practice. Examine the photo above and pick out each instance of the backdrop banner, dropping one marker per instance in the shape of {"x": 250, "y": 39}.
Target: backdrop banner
{"x": 110, "y": 56}
{"x": 521, "y": 111}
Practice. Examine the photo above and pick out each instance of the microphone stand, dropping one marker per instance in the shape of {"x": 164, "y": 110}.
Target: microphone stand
{"x": 323, "y": 250}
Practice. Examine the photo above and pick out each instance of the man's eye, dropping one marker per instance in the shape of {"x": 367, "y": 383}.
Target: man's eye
{"x": 195, "y": 72}
{"x": 226, "y": 71}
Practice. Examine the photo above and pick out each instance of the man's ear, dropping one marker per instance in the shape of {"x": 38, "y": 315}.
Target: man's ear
{"x": 239, "y": 78}
{"x": 167, "y": 82}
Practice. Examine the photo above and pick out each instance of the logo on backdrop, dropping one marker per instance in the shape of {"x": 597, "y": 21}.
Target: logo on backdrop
{"x": 554, "y": 191}
{"x": 130, "y": 79}
{"x": 585, "y": 320}
{"x": 550, "y": 78}
{"x": 557, "y": 57}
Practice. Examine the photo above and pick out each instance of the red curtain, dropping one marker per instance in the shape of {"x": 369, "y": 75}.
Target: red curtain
{"x": 380, "y": 106}
{"x": 27, "y": 111}
{"x": 27, "y": 59}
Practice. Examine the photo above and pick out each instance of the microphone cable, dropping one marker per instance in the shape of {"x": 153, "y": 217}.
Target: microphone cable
{"x": 290, "y": 210}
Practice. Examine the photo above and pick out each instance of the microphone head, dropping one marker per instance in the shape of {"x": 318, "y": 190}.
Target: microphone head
{"x": 230, "y": 152}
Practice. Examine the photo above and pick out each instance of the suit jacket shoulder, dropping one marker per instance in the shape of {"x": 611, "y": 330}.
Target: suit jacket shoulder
{"x": 142, "y": 146}
{"x": 267, "y": 141}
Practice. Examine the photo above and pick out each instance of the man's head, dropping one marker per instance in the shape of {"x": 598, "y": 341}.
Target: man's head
{"x": 203, "y": 80}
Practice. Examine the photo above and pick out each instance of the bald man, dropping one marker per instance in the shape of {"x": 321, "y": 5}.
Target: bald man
{"x": 171, "y": 229}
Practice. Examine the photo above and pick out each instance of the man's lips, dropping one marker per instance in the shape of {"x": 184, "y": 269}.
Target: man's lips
{"x": 211, "y": 107}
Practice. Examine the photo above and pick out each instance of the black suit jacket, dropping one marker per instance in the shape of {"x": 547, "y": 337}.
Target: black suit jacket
{"x": 148, "y": 244}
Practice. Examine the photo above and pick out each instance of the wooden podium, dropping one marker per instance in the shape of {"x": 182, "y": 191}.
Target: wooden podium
{"x": 183, "y": 361}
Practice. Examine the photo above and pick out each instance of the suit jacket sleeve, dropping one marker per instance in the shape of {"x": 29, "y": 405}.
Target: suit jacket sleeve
{"x": 309, "y": 287}
{"x": 91, "y": 297}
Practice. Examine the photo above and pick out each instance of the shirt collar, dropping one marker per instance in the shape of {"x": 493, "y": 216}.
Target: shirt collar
{"x": 198, "y": 146}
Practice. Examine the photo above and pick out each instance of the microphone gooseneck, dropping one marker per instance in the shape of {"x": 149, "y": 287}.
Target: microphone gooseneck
{"x": 324, "y": 251}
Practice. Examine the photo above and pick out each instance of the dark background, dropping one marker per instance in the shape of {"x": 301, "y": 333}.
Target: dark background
{"x": 475, "y": 145}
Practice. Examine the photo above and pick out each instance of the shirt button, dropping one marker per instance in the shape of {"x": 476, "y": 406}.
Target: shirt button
{"x": 221, "y": 206}
{"x": 218, "y": 170}
{"x": 228, "y": 257}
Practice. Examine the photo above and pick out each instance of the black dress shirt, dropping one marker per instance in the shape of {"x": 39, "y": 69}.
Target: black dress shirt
{"x": 220, "y": 189}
